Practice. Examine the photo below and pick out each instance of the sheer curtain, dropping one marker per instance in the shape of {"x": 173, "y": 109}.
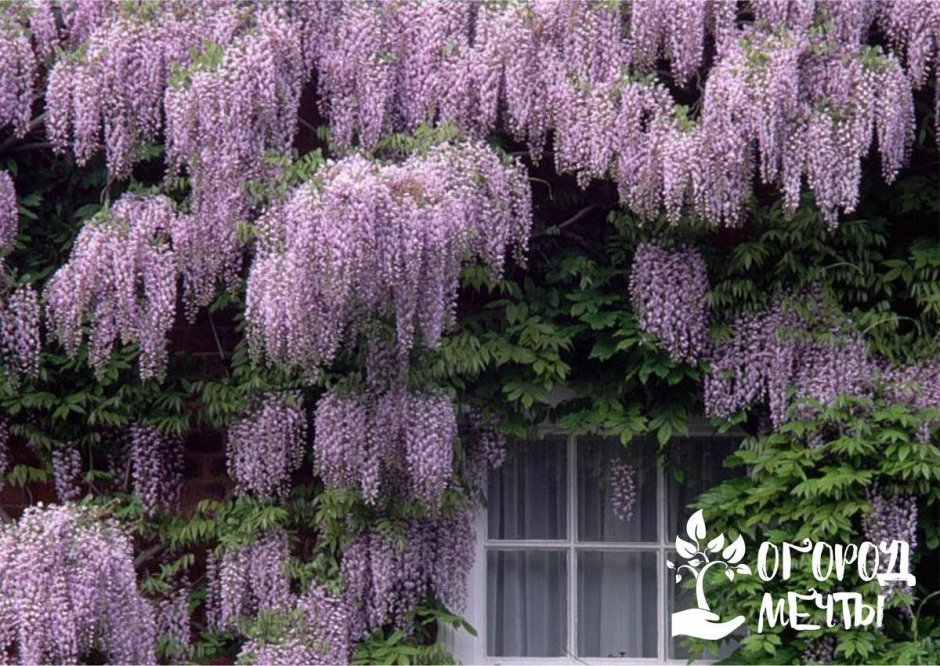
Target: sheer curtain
{"x": 527, "y": 603}
{"x": 617, "y": 615}
{"x": 528, "y": 495}
{"x": 527, "y": 589}
{"x": 617, "y": 591}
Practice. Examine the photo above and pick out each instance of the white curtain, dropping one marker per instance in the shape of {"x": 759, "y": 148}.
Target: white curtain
{"x": 617, "y": 591}
{"x": 596, "y": 520}
{"x": 617, "y": 604}
{"x": 526, "y": 603}
{"x": 527, "y": 590}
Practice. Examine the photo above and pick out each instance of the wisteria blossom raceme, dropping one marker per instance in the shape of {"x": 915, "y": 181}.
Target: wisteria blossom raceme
{"x": 18, "y": 72}
{"x": 385, "y": 580}
{"x": 68, "y": 586}
{"x": 371, "y": 241}
{"x": 156, "y": 468}
{"x": 173, "y": 620}
{"x": 669, "y": 292}
{"x": 67, "y": 473}
{"x": 791, "y": 92}
{"x": 120, "y": 280}
{"x": 890, "y": 518}
{"x": 398, "y": 440}
{"x": 319, "y": 633}
{"x": 793, "y": 96}
{"x": 820, "y": 650}
{"x": 20, "y": 340}
{"x": 851, "y": 98}
{"x": 778, "y": 358}
{"x": 9, "y": 215}
{"x": 267, "y": 444}
{"x": 484, "y": 448}
{"x": 247, "y": 579}
{"x": 111, "y": 93}
{"x": 622, "y": 491}
{"x": 5, "y": 453}
{"x": 918, "y": 386}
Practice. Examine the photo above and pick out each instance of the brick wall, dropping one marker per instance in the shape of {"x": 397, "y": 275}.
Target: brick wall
{"x": 210, "y": 343}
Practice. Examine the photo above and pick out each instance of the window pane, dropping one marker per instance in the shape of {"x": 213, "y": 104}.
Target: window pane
{"x": 617, "y": 604}
{"x": 526, "y": 603}
{"x": 528, "y": 494}
{"x": 596, "y": 519}
{"x": 700, "y": 461}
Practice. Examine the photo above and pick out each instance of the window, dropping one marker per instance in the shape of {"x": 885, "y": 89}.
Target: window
{"x": 558, "y": 575}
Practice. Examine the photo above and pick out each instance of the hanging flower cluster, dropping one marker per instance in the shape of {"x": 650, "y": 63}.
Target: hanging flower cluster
{"x": 371, "y": 241}
{"x": 67, "y": 473}
{"x": 778, "y": 358}
{"x": 156, "y": 468}
{"x": 795, "y": 366}
{"x": 890, "y": 518}
{"x": 18, "y": 71}
{"x": 248, "y": 579}
{"x": 172, "y": 618}
{"x": 820, "y": 650}
{"x": 484, "y": 448}
{"x": 117, "y": 259}
{"x": 67, "y": 586}
{"x": 622, "y": 491}
{"x": 385, "y": 580}
{"x": 20, "y": 343}
{"x": 398, "y": 440}
{"x": 113, "y": 89}
{"x": 267, "y": 444}
{"x": 222, "y": 118}
{"x": 321, "y": 636}
{"x": 9, "y": 215}
{"x": 918, "y": 386}
{"x": 669, "y": 292}
{"x": 4, "y": 448}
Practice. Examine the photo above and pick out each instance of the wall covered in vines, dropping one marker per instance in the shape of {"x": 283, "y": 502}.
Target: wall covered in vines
{"x": 403, "y": 227}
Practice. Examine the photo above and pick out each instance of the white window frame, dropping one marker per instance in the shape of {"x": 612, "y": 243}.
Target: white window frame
{"x": 472, "y": 650}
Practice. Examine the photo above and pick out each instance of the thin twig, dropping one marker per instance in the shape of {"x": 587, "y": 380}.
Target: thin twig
{"x": 556, "y": 229}
{"x": 33, "y": 124}
{"x": 591, "y": 248}
{"x": 27, "y": 147}
{"x": 215, "y": 335}
{"x": 577, "y": 216}
{"x": 145, "y": 555}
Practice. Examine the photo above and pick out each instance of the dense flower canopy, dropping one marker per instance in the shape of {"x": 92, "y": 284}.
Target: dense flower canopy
{"x": 794, "y": 92}
{"x": 356, "y": 455}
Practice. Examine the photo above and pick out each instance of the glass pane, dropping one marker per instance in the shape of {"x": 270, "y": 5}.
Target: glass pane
{"x": 596, "y": 519}
{"x": 526, "y": 603}
{"x": 528, "y": 494}
{"x": 699, "y": 459}
{"x": 617, "y": 604}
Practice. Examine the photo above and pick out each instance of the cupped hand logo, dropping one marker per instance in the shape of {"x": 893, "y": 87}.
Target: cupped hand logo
{"x": 701, "y": 622}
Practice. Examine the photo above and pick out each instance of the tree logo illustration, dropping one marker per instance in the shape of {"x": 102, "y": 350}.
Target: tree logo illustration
{"x": 701, "y": 622}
